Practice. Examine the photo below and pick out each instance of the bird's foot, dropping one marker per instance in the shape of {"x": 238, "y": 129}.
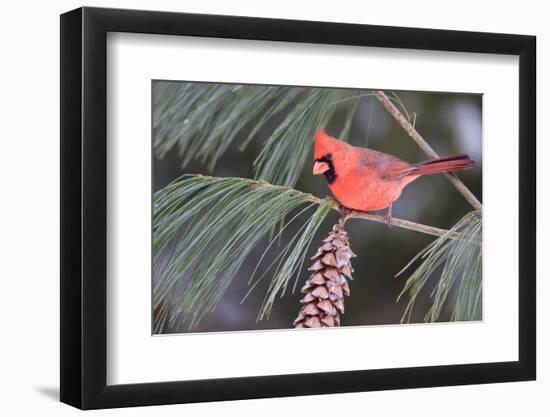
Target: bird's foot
{"x": 388, "y": 217}
{"x": 345, "y": 214}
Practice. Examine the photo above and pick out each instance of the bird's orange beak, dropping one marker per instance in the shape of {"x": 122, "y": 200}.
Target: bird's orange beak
{"x": 320, "y": 168}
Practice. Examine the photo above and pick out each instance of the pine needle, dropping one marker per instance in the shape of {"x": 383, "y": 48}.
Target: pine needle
{"x": 206, "y": 227}
{"x": 460, "y": 260}
{"x": 203, "y": 119}
{"x": 284, "y": 154}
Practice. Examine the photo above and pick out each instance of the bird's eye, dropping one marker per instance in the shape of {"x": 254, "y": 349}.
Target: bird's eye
{"x": 329, "y": 156}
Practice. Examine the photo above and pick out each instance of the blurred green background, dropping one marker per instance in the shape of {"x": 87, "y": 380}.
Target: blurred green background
{"x": 451, "y": 123}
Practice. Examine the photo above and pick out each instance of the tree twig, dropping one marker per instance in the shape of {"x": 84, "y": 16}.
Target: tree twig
{"x": 404, "y": 224}
{"x": 406, "y": 125}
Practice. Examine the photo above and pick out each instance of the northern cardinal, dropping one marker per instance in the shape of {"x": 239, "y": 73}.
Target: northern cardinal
{"x": 366, "y": 180}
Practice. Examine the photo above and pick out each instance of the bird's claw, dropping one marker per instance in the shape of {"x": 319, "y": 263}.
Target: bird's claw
{"x": 388, "y": 217}
{"x": 345, "y": 214}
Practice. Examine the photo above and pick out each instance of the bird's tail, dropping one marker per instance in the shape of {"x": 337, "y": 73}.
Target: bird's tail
{"x": 445, "y": 164}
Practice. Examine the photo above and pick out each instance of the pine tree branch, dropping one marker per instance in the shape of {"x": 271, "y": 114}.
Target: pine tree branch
{"x": 458, "y": 264}
{"x": 406, "y": 125}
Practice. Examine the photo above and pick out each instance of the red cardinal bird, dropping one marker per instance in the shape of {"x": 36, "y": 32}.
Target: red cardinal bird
{"x": 364, "y": 179}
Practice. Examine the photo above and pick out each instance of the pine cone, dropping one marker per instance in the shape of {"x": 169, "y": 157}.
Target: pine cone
{"x": 325, "y": 288}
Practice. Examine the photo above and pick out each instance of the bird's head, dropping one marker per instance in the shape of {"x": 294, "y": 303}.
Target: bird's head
{"x": 326, "y": 147}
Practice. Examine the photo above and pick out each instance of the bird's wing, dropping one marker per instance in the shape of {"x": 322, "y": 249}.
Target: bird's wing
{"x": 389, "y": 167}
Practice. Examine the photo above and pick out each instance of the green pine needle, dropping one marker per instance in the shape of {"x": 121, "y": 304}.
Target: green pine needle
{"x": 282, "y": 159}
{"x": 461, "y": 263}
{"x": 205, "y": 228}
{"x": 202, "y": 121}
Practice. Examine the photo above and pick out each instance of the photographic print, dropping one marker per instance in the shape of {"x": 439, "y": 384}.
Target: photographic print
{"x": 298, "y": 207}
{"x": 325, "y": 182}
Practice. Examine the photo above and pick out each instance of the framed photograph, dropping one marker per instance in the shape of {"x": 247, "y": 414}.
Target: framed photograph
{"x": 257, "y": 208}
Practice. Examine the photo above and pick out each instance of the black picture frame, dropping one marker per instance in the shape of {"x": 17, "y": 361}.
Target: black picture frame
{"x": 84, "y": 207}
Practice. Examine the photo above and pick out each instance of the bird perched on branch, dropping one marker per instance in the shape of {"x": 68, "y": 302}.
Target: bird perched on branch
{"x": 367, "y": 180}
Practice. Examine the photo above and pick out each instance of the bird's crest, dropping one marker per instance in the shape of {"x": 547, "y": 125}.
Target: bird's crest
{"x": 325, "y": 144}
